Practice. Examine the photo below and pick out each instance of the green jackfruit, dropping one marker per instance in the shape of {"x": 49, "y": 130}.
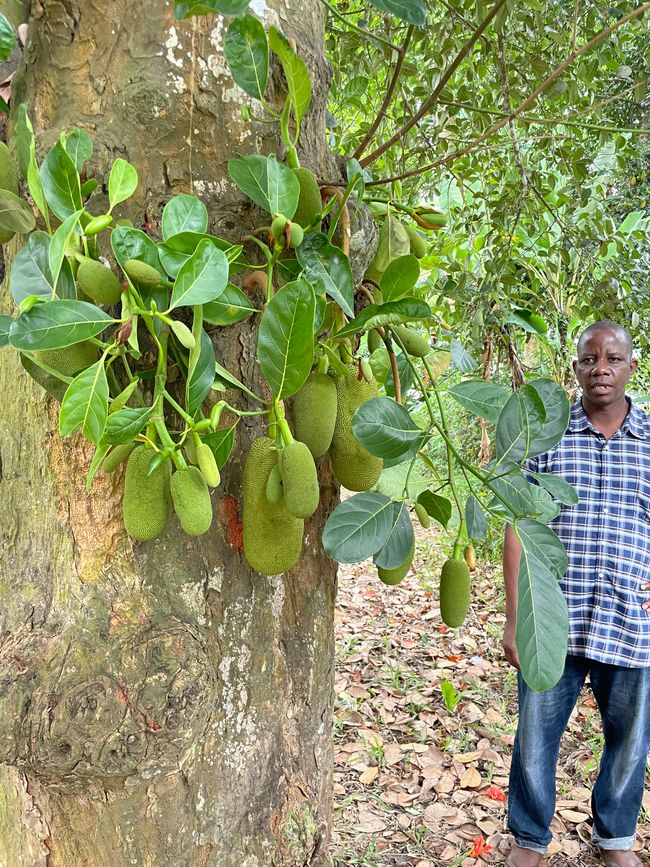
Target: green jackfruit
{"x": 418, "y": 244}
{"x": 454, "y": 592}
{"x": 191, "y": 499}
{"x": 299, "y": 480}
{"x": 423, "y": 516}
{"x": 146, "y": 500}
{"x": 314, "y": 413}
{"x": 208, "y": 465}
{"x": 272, "y": 537}
{"x": 117, "y": 456}
{"x": 399, "y": 573}
{"x": 374, "y": 340}
{"x": 71, "y": 359}
{"x": 8, "y": 175}
{"x": 141, "y": 272}
{"x": 393, "y": 242}
{"x": 309, "y": 203}
{"x": 98, "y": 282}
{"x": 274, "y": 492}
{"x": 354, "y": 467}
{"x": 415, "y": 344}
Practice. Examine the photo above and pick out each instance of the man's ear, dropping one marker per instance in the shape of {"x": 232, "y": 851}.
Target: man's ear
{"x": 634, "y": 364}
{"x": 574, "y": 365}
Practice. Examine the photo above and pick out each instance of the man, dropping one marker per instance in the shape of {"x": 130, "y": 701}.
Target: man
{"x": 605, "y": 455}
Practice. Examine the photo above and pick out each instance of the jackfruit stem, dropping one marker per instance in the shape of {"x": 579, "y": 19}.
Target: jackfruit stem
{"x": 287, "y": 436}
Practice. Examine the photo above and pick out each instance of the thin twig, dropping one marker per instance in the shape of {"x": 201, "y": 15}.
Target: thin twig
{"x": 356, "y": 29}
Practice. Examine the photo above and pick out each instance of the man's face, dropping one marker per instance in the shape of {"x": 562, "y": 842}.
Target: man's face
{"x": 603, "y": 368}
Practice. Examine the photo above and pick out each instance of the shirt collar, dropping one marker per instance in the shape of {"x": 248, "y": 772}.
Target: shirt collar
{"x": 636, "y": 422}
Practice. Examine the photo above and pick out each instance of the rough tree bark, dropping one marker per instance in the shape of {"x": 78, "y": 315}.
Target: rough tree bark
{"x": 159, "y": 703}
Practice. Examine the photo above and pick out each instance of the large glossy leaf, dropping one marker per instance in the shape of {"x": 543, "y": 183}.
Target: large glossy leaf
{"x": 221, "y": 442}
{"x": 177, "y": 249}
{"x": 439, "y": 508}
{"x": 7, "y": 38}
{"x": 184, "y": 213}
{"x": 520, "y": 421}
{"x": 560, "y": 490}
{"x": 358, "y": 527}
{"x": 122, "y": 182}
{"x": 124, "y": 425}
{"x": 400, "y": 277}
{"x": 186, "y": 8}
{"x": 527, "y": 320}
{"x": 15, "y": 214}
{"x": 413, "y": 11}
{"x": 201, "y": 375}
{"x": 461, "y": 359}
{"x": 475, "y": 519}
{"x": 385, "y": 428}
{"x": 85, "y": 403}
{"x": 57, "y": 324}
{"x": 295, "y": 71}
{"x": 285, "y": 343}
{"x": 129, "y": 243}
{"x": 58, "y": 244}
{"x": 328, "y": 270}
{"x": 391, "y": 313}
{"x": 202, "y": 278}
{"x": 270, "y": 184}
{"x": 398, "y": 545}
{"x": 482, "y": 397}
{"x": 557, "y": 410}
{"x": 30, "y": 272}
{"x": 60, "y": 180}
{"x": 542, "y": 618}
{"x": 247, "y": 54}
{"x": 517, "y": 498}
{"x": 5, "y": 325}
{"x": 233, "y": 305}
{"x": 80, "y": 147}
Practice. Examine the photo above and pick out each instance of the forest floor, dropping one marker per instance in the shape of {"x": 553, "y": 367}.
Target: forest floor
{"x": 424, "y": 724}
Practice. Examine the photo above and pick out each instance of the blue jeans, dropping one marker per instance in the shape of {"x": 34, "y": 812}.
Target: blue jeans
{"x": 623, "y": 697}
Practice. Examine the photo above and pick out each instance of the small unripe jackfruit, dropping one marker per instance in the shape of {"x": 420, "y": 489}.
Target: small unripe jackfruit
{"x": 208, "y": 465}
{"x": 98, "y": 282}
{"x": 191, "y": 499}
{"x": 299, "y": 480}
{"x": 274, "y": 492}
{"x": 117, "y": 456}
{"x": 272, "y": 537}
{"x": 309, "y": 203}
{"x": 141, "y": 272}
{"x": 354, "y": 467}
{"x": 454, "y": 592}
{"x": 146, "y": 498}
{"x": 399, "y": 573}
{"x": 71, "y": 359}
{"x": 418, "y": 244}
{"x": 417, "y": 345}
{"x": 8, "y": 175}
{"x": 374, "y": 340}
{"x": 423, "y": 516}
{"x": 314, "y": 413}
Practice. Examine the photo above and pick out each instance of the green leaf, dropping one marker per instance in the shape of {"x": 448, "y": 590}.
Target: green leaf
{"x": 519, "y": 498}
{"x": 475, "y": 519}
{"x": 232, "y": 306}
{"x": 5, "y": 325}
{"x": 285, "y": 343}
{"x": 184, "y": 213}
{"x": 122, "y": 182}
{"x": 519, "y": 422}
{"x": 482, "y": 397}
{"x": 225, "y": 375}
{"x": 124, "y": 425}
{"x": 328, "y": 270}
{"x": 247, "y": 54}
{"x": 270, "y": 184}
{"x": 557, "y": 410}
{"x": 129, "y": 243}
{"x": 98, "y": 458}
{"x": 439, "y": 508}
{"x": 391, "y": 313}
{"x": 30, "y": 272}
{"x": 400, "y": 277}
{"x": 358, "y": 527}
{"x": 15, "y": 214}
{"x": 385, "y": 428}
{"x": 398, "y": 545}
{"x": 295, "y": 71}
{"x": 58, "y": 244}
{"x": 24, "y": 138}
{"x": 202, "y": 278}
{"x": 85, "y": 403}
{"x": 186, "y": 8}
{"x": 461, "y": 358}
{"x": 57, "y": 324}
{"x": 527, "y": 320}
{"x": 413, "y": 11}
{"x": 542, "y": 617}
{"x": 560, "y": 490}
{"x": 60, "y": 182}
{"x": 177, "y": 249}
{"x": 7, "y": 38}
{"x": 201, "y": 375}
{"x": 221, "y": 442}
{"x": 80, "y": 147}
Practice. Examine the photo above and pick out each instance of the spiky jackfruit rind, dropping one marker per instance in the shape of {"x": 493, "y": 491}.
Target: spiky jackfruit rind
{"x": 417, "y": 345}
{"x": 299, "y": 480}
{"x": 98, "y": 282}
{"x": 117, "y": 456}
{"x": 455, "y": 581}
{"x": 71, "y": 359}
{"x": 354, "y": 467}
{"x": 314, "y": 413}
{"x": 309, "y": 204}
{"x": 8, "y": 174}
{"x": 147, "y": 501}
{"x": 191, "y": 499}
{"x": 272, "y": 537}
{"x": 399, "y": 573}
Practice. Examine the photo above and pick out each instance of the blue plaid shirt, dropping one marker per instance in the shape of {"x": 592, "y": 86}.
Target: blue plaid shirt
{"x": 607, "y": 536}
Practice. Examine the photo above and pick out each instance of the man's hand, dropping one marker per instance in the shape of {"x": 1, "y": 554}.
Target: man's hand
{"x": 646, "y": 605}
{"x": 509, "y": 643}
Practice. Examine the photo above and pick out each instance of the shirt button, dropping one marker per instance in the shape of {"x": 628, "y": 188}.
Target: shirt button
{"x": 605, "y": 511}
{"x": 601, "y": 574}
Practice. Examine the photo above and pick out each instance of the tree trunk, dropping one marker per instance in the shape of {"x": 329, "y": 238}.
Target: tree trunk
{"x": 159, "y": 703}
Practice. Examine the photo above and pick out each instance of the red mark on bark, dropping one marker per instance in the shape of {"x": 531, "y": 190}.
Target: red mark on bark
{"x": 233, "y": 525}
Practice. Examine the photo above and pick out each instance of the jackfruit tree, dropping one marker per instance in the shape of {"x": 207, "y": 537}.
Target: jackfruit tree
{"x": 207, "y": 323}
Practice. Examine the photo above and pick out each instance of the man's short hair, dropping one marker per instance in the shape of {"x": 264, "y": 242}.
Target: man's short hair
{"x": 608, "y": 325}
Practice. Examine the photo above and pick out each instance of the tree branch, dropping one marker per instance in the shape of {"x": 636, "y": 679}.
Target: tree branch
{"x": 365, "y": 33}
